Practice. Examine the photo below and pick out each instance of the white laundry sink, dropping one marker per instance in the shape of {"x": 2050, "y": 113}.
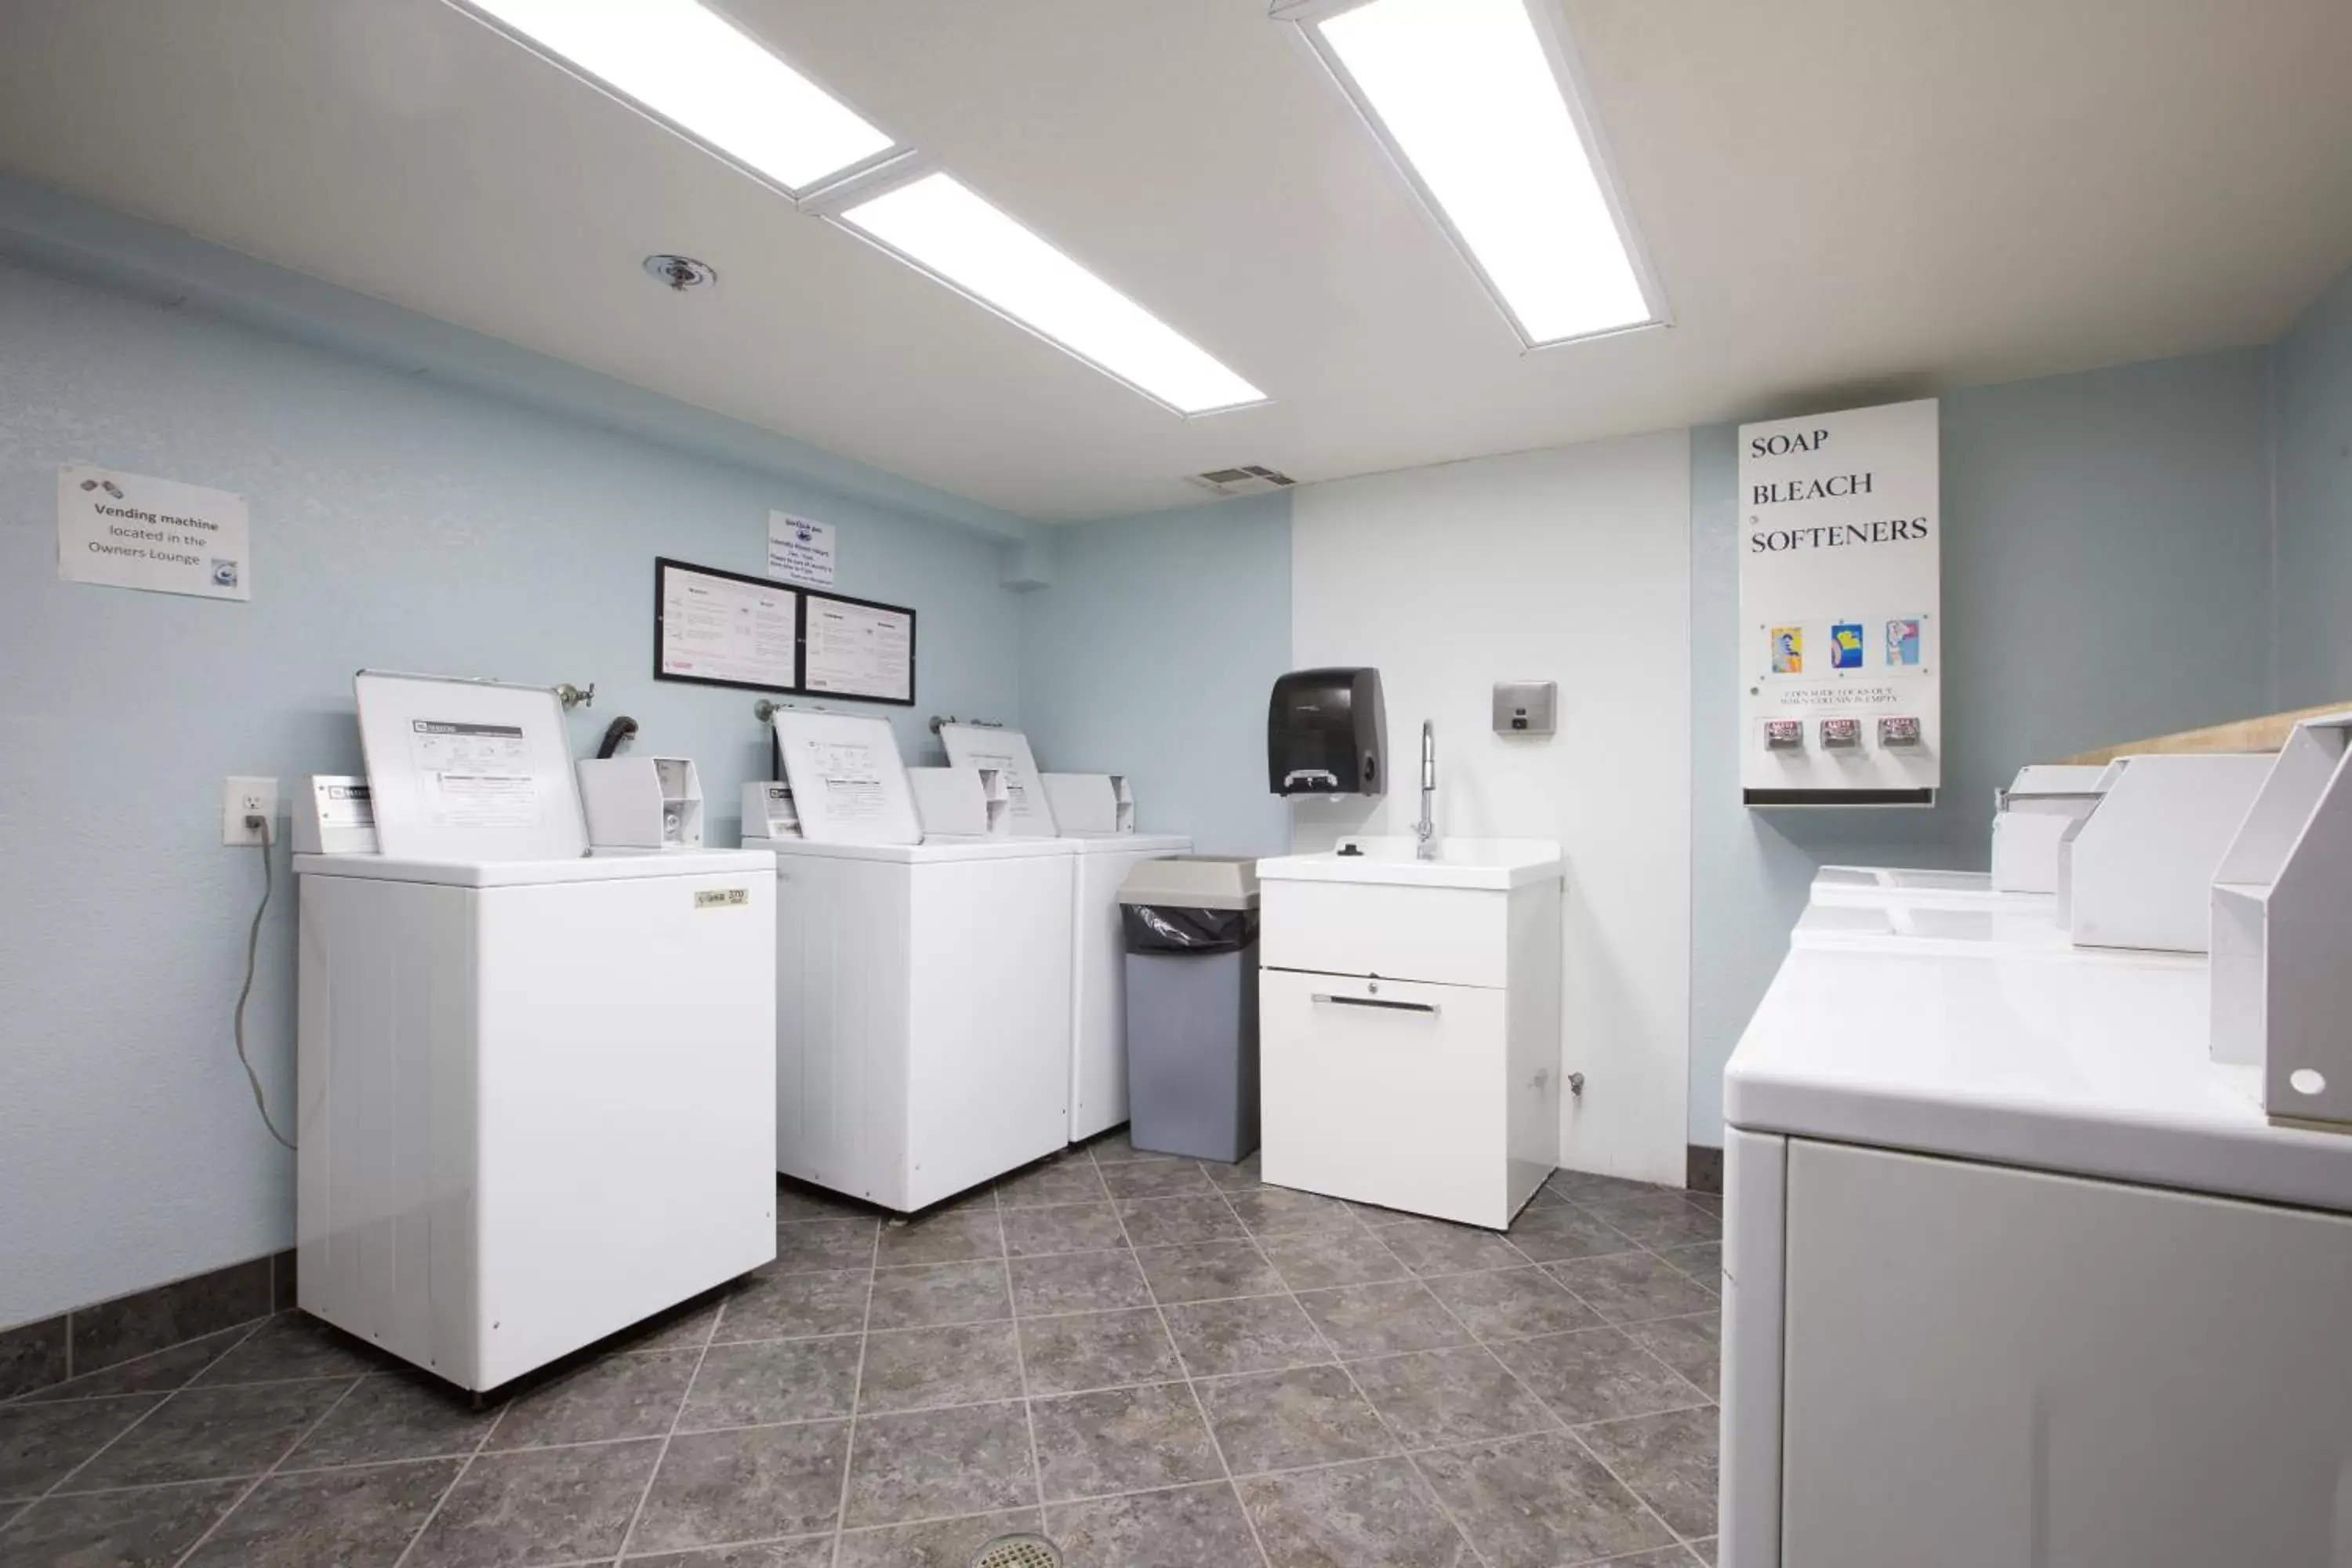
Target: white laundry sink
{"x": 1493, "y": 863}
{"x": 1409, "y": 1024}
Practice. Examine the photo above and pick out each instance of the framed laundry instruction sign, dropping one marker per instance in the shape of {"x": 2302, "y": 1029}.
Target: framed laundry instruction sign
{"x": 1840, "y": 641}
{"x": 724, "y": 628}
{"x": 855, "y": 647}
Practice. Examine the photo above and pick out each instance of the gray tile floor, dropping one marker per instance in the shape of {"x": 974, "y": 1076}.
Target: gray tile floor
{"x": 1159, "y": 1363}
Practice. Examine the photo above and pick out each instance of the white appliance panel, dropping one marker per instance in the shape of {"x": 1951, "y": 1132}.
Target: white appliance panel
{"x": 1450, "y": 936}
{"x": 1755, "y": 1209}
{"x": 521, "y": 1108}
{"x": 1989, "y": 1365}
{"x": 989, "y": 1075}
{"x": 1372, "y": 1089}
{"x": 627, "y": 1155}
{"x": 923, "y": 1016}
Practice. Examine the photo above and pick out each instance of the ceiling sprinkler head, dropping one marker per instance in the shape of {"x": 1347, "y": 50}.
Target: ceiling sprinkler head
{"x": 681, "y": 272}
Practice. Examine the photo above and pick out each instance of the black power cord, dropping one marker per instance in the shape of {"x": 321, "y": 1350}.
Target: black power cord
{"x": 252, "y": 954}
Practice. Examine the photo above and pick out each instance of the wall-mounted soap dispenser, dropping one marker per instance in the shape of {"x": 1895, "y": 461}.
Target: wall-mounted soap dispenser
{"x": 1326, "y": 733}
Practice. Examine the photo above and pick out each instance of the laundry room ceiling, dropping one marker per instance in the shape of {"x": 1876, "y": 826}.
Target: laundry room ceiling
{"x": 1840, "y": 198}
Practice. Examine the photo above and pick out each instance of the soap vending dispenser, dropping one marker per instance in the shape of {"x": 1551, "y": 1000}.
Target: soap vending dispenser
{"x": 1326, "y": 733}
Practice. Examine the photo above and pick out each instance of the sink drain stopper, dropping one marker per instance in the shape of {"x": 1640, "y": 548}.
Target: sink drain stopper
{"x": 1019, "y": 1552}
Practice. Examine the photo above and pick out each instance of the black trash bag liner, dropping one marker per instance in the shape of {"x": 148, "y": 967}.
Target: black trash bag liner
{"x": 1165, "y": 927}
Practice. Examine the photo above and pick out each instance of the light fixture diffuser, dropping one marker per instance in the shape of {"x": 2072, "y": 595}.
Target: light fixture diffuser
{"x": 1476, "y": 104}
{"x": 940, "y": 226}
{"x": 688, "y": 66}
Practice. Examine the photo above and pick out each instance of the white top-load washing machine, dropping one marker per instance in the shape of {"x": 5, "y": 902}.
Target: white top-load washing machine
{"x": 2015, "y": 1269}
{"x": 1094, "y": 815}
{"x": 922, "y": 1033}
{"x": 531, "y": 1081}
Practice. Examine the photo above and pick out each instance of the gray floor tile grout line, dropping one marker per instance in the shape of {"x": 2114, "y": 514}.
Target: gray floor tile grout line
{"x": 451, "y": 1490}
{"x": 57, "y": 1486}
{"x": 1700, "y": 1401}
{"x": 933, "y": 1519}
{"x": 1345, "y": 1371}
{"x": 1021, "y": 1364}
{"x": 1540, "y": 1403}
{"x": 1184, "y": 1367}
{"x": 661, "y": 1455}
{"x": 33, "y": 1396}
{"x": 856, "y": 1396}
{"x": 1708, "y": 1401}
{"x": 1611, "y": 1471}
{"x": 1563, "y": 1426}
{"x": 263, "y": 1479}
{"x": 241, "y": 1383}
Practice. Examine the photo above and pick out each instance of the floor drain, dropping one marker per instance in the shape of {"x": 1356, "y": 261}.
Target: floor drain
{"x": 1019, "y": 1552}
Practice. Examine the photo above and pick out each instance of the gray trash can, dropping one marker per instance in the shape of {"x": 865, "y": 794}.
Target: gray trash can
{"x": 1192, "y": 1006}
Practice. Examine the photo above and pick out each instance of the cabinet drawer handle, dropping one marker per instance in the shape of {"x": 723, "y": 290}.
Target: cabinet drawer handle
{"x": 1429, "y": 1007}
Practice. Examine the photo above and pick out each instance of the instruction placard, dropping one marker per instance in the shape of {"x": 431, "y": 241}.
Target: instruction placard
{"x": 722, "y": 628}
{"x": 131, "y": 531}
{"x": 475, "y": 775}
{"x": 800, "y": 550}
{"x": 852, "y": 649}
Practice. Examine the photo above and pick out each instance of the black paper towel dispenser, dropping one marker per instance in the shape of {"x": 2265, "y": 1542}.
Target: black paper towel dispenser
{"x": 1326, "y": 733}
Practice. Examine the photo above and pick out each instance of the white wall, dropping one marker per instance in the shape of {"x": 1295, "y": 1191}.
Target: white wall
{"x": 1573, "y": 565}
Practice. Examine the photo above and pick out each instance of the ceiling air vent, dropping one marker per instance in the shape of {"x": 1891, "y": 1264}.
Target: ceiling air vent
{"x": 1250, "y": 481}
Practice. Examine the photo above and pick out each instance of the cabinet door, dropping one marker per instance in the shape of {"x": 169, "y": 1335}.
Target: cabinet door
{"x": 1988, "y": 1367}
{"x": 1385, "y": 1091}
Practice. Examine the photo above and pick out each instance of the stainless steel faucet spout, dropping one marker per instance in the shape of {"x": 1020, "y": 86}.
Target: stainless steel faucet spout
{"x": 1424, "y": 832}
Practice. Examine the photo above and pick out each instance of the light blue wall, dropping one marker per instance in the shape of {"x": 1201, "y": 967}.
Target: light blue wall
{"x": 1153, "y": 653}
{"x": 397, "y": 523}
{"x": 2107, "y": 575}
{"x": 2311, "y": 416}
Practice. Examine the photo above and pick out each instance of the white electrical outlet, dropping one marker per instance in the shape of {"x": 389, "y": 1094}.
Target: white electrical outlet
{"x": 249, "y": 797}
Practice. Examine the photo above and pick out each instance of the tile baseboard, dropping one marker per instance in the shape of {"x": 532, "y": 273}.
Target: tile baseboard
{"x": 89, "y": 1339}
{"x": 1703, "y": 1169}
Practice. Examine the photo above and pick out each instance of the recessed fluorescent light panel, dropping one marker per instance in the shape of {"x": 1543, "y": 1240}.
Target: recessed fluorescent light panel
{"x": 941, "y": 227}
{"x": 686, "y": 65}
{"x": 1476, "y": 100}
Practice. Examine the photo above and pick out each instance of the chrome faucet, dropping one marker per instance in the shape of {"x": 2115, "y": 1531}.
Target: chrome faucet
{"x": 1425, "y": 830}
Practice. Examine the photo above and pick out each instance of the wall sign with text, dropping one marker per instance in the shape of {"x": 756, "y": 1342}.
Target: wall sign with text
{"x": 725, "y": 628}
{"x": 1841, "y": 543}
{"x": 800, "y": 550}
{"x": 131, "y": 531}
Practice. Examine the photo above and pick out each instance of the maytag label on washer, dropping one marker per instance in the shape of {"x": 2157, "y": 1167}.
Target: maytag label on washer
{"x": 722, "y": 898}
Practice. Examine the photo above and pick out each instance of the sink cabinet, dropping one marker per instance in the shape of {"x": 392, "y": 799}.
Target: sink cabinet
{"x": 1409, "y": 1033}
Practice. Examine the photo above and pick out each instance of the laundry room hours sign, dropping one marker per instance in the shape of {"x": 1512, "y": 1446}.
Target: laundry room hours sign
{"x": 1839, "y": 554}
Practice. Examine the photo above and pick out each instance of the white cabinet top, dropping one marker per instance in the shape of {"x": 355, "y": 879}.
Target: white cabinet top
{"x": 939, "y": 849}
{"x": 1127, "y": 842}
{"x": 604, "y": 866}
{"x": 2091, "y": 1064}
{"x": 1497, "y": 864}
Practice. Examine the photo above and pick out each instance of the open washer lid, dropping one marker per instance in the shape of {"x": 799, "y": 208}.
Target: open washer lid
{"x": 469, "y": 770}
{"x": 848, "y": 781}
